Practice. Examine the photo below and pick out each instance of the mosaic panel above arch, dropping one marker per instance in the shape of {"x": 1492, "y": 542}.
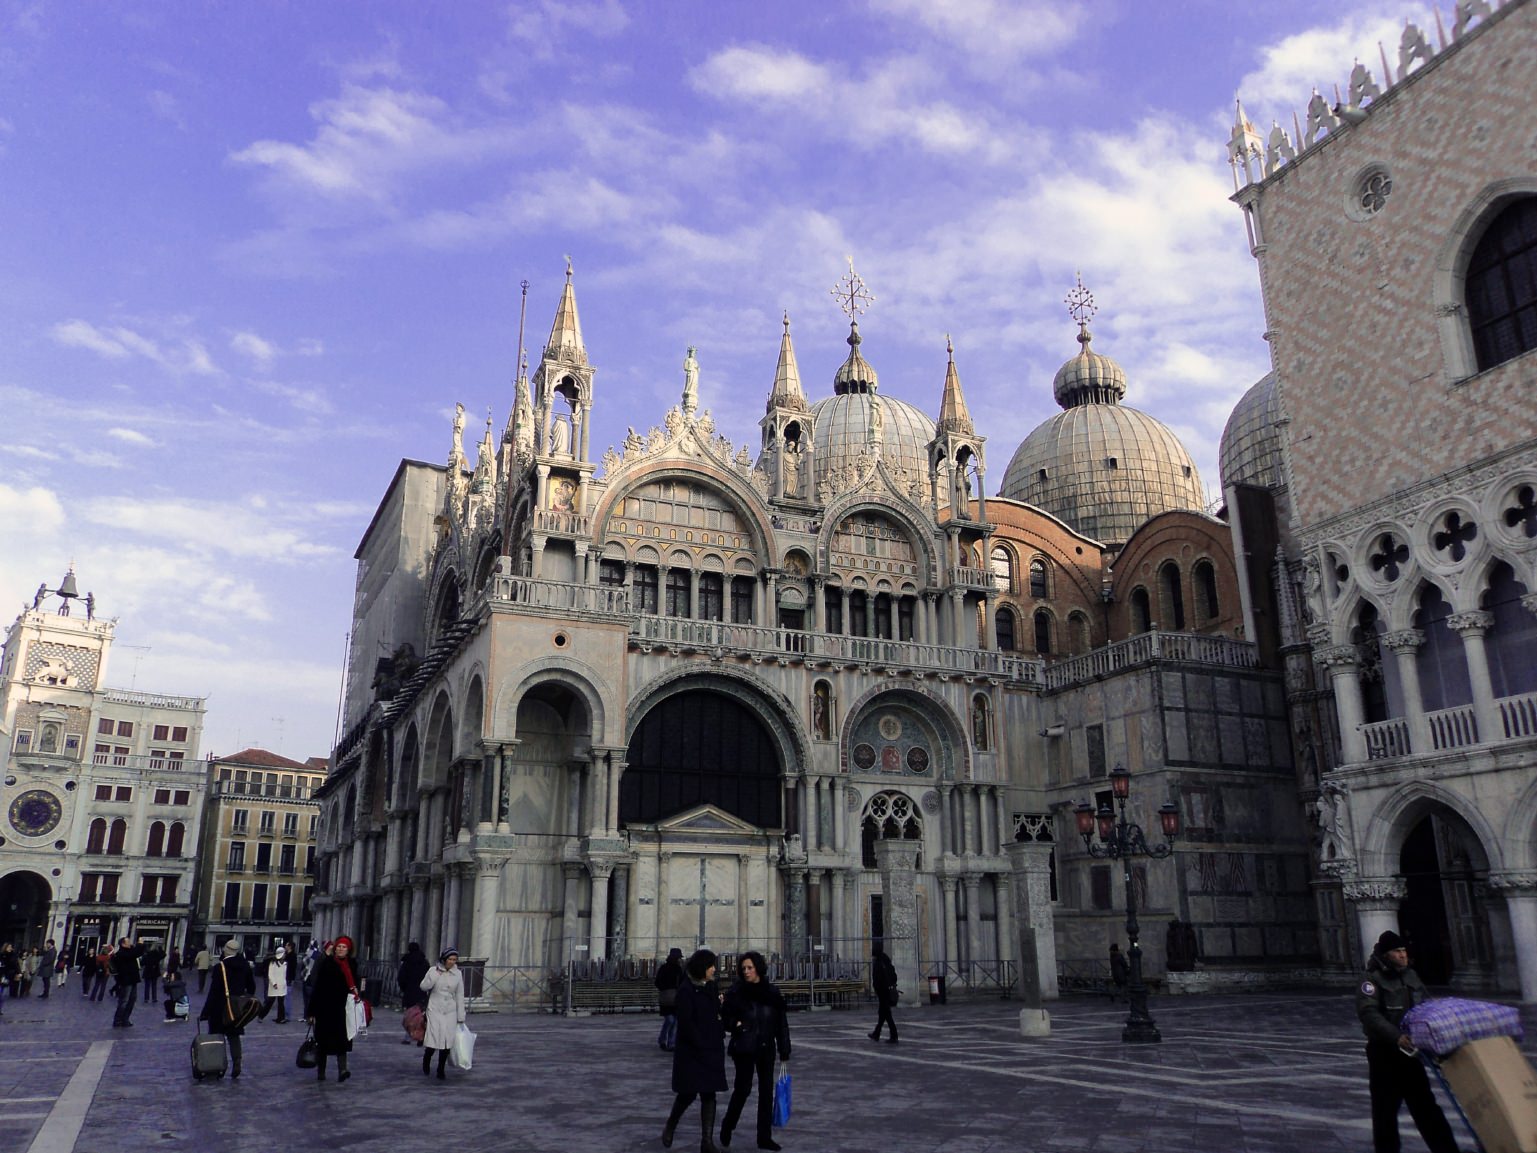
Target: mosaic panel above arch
{"x": 892, "y": 737}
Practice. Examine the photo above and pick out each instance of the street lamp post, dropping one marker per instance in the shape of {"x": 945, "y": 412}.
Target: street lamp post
{"x": 1121, "y": 840}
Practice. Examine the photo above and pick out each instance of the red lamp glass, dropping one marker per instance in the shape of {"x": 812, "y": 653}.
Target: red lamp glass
{"x": 1168, "y": 816}
{"x": 1085, "y": 816}
{"x": 1106, "y": 819}
{"x": 1120, "y": 781}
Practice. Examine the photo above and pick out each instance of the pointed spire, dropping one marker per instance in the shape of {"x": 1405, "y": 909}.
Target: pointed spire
{"x": 485, "y": 462}
{"x": 953, "y": 414}
{"x": 566, "y": 333}
{"x": 787, "y": 391}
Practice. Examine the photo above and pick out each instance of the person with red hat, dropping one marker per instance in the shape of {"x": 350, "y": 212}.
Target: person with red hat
{"x": 1394, "y": 1072}
{"x": 330, "y": 1005}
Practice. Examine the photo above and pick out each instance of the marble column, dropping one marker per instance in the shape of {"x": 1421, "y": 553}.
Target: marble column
{"x": 743, "y": 901}
{"x": 597, "y": 926}
{"x": 974, "y": 944}
{"x": 571, "y": 914}
{"x": 488, "y": 875}
{"x": 1519, "y": 888}
{"x": 1003, "y": 902}
{"x": 968, "y": 820}
{"x": 451, "y": 921}
{"x": 663, "y": 907}
{"x": 897, "y": 861}
{"x": 619, "y": 912}
{"x": 946, "y": 826}
{"x": 434, "y": 918}
{"x": 1030, "y": 862}
{"x": 840, "y": 945}
{"x": 952, "y": 924}
{"x": 1376, "y": 901}
{"x": 1404, "y": 644}
{"x": 1344, "y": 677}
{"x": 1472, "y": 627}
{"x": 795, "y": 914}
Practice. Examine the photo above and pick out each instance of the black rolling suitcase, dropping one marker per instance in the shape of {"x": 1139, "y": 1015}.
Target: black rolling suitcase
{"x": 209, "y": 1057}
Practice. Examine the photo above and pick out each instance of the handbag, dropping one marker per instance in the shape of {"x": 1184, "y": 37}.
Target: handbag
{"x": 669, "y": 998}
{"x": 415, "y": 1022}
{"x": 782, "y": 1097}
{"x": 240, "y": 1008}
{"x": 308, "y": 1055}
{"x": 463, "y": 1052}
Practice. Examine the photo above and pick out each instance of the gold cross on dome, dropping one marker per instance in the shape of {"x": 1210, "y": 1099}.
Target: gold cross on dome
{"x": 1080, "y": 302}
{"x": 851, "y": 294}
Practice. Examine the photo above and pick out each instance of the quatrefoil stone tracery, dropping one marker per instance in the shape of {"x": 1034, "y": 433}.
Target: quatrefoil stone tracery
{"x": 1523, "y": 513}
{"x": 1389, "y": 558}
{"x": 1454, "y": 536}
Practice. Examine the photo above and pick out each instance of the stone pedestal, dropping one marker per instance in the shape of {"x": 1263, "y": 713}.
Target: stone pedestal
{"x": 898, "y": 864}
{"x": 1034, "y": 928}
{"x": 1520, "y": 892}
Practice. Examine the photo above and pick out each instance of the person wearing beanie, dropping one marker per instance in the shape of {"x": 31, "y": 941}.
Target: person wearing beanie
{"x": 330, "y": 1002}
{"x": 277, "y": 985}
{"x": 699, "y": 1061}
{"x": 1394, "y": 1072}
{"x": 669, "y": 975}
{"x": 232, "y": 977}
{"x": 413, "y": 967}
{"x": 754, "y": 1014}
{"x": 444, "y": 987}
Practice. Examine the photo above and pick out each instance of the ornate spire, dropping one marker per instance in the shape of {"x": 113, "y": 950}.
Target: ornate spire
{"x": 485, "y": 463}
{"x": 566, "y": 333}
{"x": 1087, "y": 378}
{"x": 953, "y": 414}
{"x": 787, "y": 391}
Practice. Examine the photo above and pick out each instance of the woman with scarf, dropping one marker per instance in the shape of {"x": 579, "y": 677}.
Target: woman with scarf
{"x": 444, "y": 987}
{"x": 330, "y": 1003}
{"x": 754, "y": 1015}
{"x": 699, "y": 1061}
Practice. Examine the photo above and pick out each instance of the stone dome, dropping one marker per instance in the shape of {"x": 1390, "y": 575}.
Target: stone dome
{"x": 1251, "y": 443}
{"x": 1099, "y": 466}
{"x": 842, "y": 431}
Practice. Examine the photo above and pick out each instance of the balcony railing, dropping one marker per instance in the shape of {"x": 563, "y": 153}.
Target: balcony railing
{"x": 135, "y": 761}
{"x": 682, "y": 632}
{"x": 1187, "y": 648}
{"x": 562, "y": 523}
{"x": 975, "y": 578}
{"x": 151, "y": 700}
{"x": 560, "y": 596}
{"x": 1453, "y": 728}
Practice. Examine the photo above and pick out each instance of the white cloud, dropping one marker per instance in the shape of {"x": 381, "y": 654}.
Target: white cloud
{"x": 541, "y": 21}
{"x": 29, "y": 513}
{"x": 250, "y": 345}
{"x": 1322, "y": 57}
{"x": 132, "y": 436}
{"x": 243, "y": 530}
{"x": 994, "y": 28}
{"x": 166, "y": 107}
{"x": 118, "y": 342}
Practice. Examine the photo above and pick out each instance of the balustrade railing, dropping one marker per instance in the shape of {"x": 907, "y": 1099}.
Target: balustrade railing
{"x": 563, "y": 596}
{"x": 1189, "y": 648}
{"x": 1519, "y": 714}
{"x": 685, "y": 632}
{"x": 564, "y": 523}
{"x": 1385, "y": 739}
{"x": 1454, "y": 728}
{"x": 977, "y": 578}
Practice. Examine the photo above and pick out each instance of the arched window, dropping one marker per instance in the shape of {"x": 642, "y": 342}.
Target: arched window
{"x": 156, "y": 846}
{"x": 1038, "y": 587}
{"x": 1171, "y": 597}
{"x": 1512, "y": 643}
{"x": 1003, "y": 622}
{"x": 173, "y": 843}
{"x": 981, "y": 723}
{"x": 710, "y": 590}
{"x": 1204, "y": 575}
{"x": 1042, "y": 631}
{"x": 1501, "y": 286}
{"x": 1441, "y": 660}
{"x": 1077, "y": 633}
{"x": 96, "y": 842}
{"x": 677, "y": 593}
{"x": 1141, "y": 611}
{"x": 116, "y": 836}
{"x": 890, "y": 816}
{"x": 1381, "y": 693}
{"x": 1003, "y": 569}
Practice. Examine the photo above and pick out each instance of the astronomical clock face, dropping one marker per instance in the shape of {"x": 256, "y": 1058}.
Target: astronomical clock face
{"x": 35, "y": 813}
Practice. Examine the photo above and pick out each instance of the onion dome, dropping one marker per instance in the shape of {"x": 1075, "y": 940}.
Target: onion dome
{"x": 855, "y": 374}
{"x": 1101, "y": 467}
{"x": 1251, "y": 443}
{"x": 855, "y": 420}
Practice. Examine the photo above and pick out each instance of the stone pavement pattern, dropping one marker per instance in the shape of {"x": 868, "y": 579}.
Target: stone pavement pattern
{"x": 1235, "y": 1074}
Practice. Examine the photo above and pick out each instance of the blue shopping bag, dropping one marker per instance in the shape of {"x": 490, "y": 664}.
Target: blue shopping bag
{"x": 782, "y": 1099}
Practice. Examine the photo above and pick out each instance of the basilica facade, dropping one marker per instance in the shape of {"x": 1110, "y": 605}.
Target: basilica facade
{"x": 810, "y": 692}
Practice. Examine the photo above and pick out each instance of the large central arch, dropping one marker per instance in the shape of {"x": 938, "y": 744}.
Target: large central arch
{"x": 24, "y": 900}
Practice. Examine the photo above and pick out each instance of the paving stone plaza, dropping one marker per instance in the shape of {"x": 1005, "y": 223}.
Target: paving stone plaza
{"x": 1235, "y": 1074}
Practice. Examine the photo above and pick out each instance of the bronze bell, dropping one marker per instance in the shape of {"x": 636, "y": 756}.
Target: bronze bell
{"x": 67, "y": 589}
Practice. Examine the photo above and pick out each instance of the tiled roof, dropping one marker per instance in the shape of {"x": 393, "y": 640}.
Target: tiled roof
{"x": 261, "y": 759}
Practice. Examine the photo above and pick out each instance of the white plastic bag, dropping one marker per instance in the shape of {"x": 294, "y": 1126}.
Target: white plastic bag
{"x": 357, "y": 1017}
{"x": 463, "y": 1052}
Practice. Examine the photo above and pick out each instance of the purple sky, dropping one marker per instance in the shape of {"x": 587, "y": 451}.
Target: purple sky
{"x": 251, "y": 256}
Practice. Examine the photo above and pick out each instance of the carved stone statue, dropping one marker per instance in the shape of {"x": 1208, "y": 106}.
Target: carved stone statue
{"x": 560, "y": 438}
{"x": 690, "y": 381}
{"x": 458, "y": 449}
{"x": 877, "y": 420}
{"x": 792, "y": 467}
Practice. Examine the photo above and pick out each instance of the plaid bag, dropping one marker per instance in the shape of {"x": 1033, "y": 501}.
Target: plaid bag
{"x": 1441, "y": 1025}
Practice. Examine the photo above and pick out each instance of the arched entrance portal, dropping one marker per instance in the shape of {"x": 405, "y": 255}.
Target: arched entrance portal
{"x": 1444, "y": 912}
{"x": 700, "y": 747}
{"x": 24, "y": 900}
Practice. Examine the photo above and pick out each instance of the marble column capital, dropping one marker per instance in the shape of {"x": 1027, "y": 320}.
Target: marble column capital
{"x": 1514, "y": 882}
{"x": 1378, "y": 893}
{"x": 1474, "y": 622}
{"x": 1404, "y": 640}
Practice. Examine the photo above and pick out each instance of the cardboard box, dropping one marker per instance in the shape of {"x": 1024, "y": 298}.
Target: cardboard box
{"x": 1497, "y": 1088}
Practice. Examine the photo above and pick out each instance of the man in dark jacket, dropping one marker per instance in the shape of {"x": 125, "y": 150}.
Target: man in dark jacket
{"x": 45, "y": 964}
{"x": 125, "y": 971}
{"x": 1394, "y": 1072}
{"x": 149, "y": 970}
{"x": 883, "y": 975}
{"x": 413, "y": 967}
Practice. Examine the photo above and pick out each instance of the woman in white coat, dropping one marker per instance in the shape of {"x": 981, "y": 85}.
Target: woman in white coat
{"x": 277, "y": 985}
{"x": 444, "y": 986}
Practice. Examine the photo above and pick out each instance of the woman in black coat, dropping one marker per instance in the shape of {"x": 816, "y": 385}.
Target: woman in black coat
{"x": 329, "y": 1004}
{"x": 699, "y": 1061}
{"x": 231, "y": 977}
{"x": 413, "y": 967}
{"x": 754, "y": 1015}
